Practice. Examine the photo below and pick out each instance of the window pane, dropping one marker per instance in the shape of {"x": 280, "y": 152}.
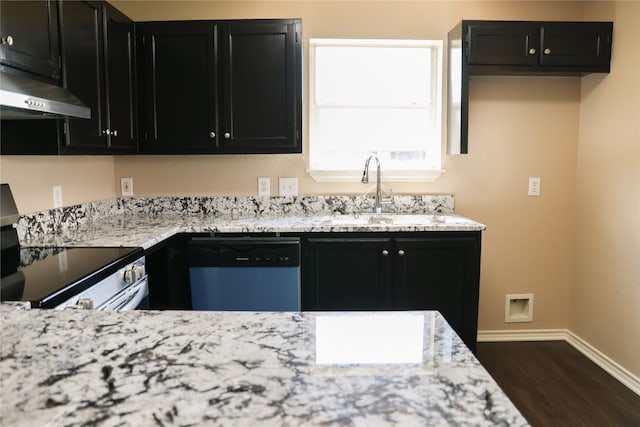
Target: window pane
{"x": 361, "y": 129}
{"x": 373, "y": 76}
{"x": 375, "y": 96}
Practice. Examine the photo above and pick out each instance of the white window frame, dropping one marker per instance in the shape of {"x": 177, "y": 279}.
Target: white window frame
{"x": 354, "y": 175}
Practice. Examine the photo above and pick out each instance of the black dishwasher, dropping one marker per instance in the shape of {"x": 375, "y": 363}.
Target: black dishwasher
{"x": 245, "y": 273}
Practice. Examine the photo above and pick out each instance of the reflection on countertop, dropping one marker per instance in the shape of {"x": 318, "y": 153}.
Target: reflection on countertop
{"x": 212, "y": 368}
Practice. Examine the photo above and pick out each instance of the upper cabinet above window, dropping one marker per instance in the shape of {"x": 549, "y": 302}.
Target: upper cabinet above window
{"x": 525, "y": 48}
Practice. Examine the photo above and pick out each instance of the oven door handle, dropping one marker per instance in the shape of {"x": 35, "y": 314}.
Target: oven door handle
{"x": 129, "y": 298}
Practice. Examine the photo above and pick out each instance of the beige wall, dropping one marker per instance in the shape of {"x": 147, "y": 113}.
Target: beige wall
{"x": 519, "y": 127}
{"x": 605, "y": 294}
{"x": 83, "y": 179}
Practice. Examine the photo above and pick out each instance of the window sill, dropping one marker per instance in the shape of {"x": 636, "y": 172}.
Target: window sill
{"x": 387, "y": 176}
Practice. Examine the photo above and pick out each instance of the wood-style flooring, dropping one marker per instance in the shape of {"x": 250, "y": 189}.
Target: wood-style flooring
{"x": 553, "y": 384}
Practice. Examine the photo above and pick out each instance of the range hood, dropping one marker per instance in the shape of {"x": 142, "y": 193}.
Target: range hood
{"x": 24, "y": 97}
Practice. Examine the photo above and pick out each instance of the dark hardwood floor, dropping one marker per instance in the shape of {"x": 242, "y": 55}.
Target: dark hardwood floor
{"x": 553, "y": 384}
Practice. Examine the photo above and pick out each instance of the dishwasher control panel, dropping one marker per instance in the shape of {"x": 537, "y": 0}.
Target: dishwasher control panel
{"x": 243, "y": 251}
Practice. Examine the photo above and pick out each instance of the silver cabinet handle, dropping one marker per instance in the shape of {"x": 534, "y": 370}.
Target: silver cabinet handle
{"x": 547, "y": 51}
{"x": 401, "y": 252}
{"x": 106, "y": 132}
{"x": 532, "y": 51}
{"x": 114, "y": 133}
{"x": 227, "y": 135}
{"x": 212, "y": 135}
{"x": 385, "y": 252}
{"x": 7, "y": 40}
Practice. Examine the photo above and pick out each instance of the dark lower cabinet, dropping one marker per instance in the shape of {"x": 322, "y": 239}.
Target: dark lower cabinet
{"x": 168, "y": 270}
{"x": 436, "y": 271}
{"x": 348, "y": 274}
{"x": 98, "y": 67}
{"x": 440, "y": 273}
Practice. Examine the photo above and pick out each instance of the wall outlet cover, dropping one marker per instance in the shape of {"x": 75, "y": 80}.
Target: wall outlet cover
{"x": 57, "y": 196}
{"x": 264, "y": 186}
{"x": 534, "y": 187}
{"x": 126, "y": 186}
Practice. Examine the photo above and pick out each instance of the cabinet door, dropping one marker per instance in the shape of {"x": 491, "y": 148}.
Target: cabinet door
{"x": 261, "y": 89}
{"x": 576, "y": 43}
{"x": 29, "y": 31}
{"x": 119, "y": 71}
{"x": 440, "y": 273}
{"x": 347, "y": 274}
{"x": 178, "y": 79}
{"x": 81, "y": 30}
{"x": 504, "y": 43}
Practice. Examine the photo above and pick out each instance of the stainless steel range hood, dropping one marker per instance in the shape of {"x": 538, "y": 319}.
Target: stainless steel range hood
{"x": 24, "y": 97}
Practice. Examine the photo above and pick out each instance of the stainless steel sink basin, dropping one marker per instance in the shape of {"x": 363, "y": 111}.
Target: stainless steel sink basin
{"x": 382, "y": 219}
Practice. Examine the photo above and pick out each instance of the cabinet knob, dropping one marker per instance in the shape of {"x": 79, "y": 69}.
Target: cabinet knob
{"x": 547, "y": 51}
{"x": 212, "y": 135}
{"x": 7, "y": 40}
{"x": 106, "y": 132}
{"x": 401, "y": 252}
{"x": 227, "y": 135}
{"x": 114, "y": 133}
{"x": 532, "y": 51}
{"x": 385, "y": 252}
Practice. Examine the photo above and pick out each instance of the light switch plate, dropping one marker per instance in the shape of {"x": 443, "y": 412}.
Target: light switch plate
{"x": 288, "y": 186}
{"x": 126, "y": 186}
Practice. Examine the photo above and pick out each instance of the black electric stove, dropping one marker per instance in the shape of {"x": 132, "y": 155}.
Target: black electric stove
{"x": 49, "y": 276}
{"x": 105, "y": 278}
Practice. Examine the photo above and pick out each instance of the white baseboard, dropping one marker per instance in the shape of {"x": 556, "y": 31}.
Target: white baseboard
{"x": 596, "y": 356}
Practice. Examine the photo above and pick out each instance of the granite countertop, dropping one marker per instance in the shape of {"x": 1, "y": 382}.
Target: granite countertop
{"x": 77, "y": 368}
{"x": 145, "y": 230}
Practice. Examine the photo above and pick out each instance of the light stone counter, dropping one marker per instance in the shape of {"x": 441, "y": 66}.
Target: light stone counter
{"x": 77, "y": 368}
{"x": 144, "y": 230}
{"x": 143, "y": 222}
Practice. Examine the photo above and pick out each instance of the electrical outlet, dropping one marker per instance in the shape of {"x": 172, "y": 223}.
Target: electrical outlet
{"x": 126, "y": 186}
{"x": 57, "y": 196}
{"x": 534, "y": 186}
{"x": 264, "y": 186}
{"x": 288, "y": 186}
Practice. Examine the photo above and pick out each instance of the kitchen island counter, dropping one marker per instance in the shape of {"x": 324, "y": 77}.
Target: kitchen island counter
{"x": 167, "y": 368}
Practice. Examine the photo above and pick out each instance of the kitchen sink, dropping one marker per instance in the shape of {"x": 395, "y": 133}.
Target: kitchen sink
{"x": 382, "y": 219}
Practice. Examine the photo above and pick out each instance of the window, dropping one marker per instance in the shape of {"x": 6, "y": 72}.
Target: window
{"x": 378, "y": 97}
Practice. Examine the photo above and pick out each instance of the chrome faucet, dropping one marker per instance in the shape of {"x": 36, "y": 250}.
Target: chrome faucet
{"x": 365, "y": 179}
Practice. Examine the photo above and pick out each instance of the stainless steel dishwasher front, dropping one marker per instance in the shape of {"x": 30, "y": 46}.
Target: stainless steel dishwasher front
{"x": 245, "y": 273}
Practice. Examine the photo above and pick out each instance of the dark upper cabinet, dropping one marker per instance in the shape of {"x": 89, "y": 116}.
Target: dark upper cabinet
{"x": 98, "y": 67}
{"x": 220, "y": 86}
{"x": 436, "y": 271}
{"x": 560, "y": 45}
{"x": 527, "y": 48}
{"x": 261, "y": 72}
{"x": 29, "y": 32}
{"x": 178, "y": 87}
